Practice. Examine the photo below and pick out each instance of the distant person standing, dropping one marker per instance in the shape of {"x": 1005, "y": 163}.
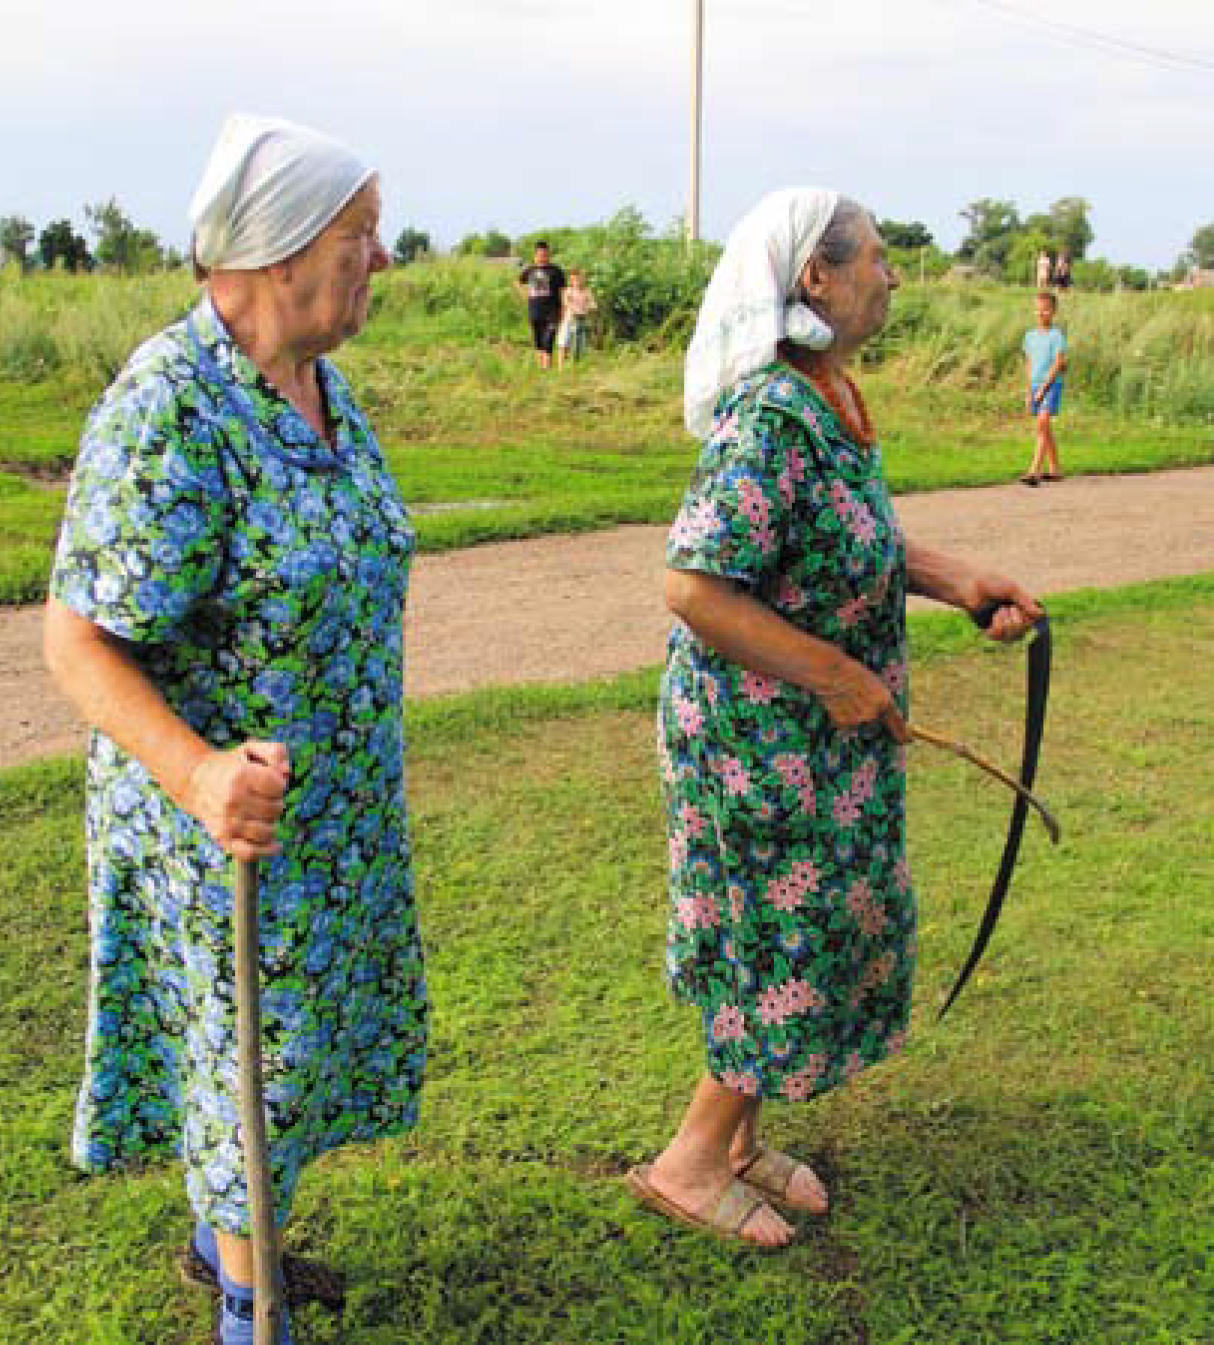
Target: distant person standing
{"x": 1045, "y": 361}
{"x": 577, "y": 303}
{"x": 543, "y": 283}
{"x": 1045, "y": 269}
{"x": 1062, "y": 272}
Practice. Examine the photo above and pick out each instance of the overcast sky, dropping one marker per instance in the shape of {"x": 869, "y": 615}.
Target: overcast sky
{"x": 521, "y": 114}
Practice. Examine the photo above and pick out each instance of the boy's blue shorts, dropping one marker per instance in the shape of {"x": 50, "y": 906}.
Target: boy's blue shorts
{"x": 1050, "y": 402}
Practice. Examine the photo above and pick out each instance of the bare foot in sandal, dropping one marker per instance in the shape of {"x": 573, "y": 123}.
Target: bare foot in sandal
{"x": 709, "y": 1199}
{"x": 782, "y": 1179}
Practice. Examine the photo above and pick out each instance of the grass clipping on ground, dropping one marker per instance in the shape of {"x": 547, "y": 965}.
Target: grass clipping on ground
{"x": 1039, "y": 1168}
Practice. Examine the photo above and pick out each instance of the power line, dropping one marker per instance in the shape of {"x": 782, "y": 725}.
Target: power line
{"x": 1066, "y": 34}
{"x": 1074, "y": 36}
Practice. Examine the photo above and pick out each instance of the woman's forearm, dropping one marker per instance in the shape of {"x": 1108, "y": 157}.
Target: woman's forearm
{"x": 936, "y": 574}
{"x": 111, "y": 692}
{"x": 751, "y": 634}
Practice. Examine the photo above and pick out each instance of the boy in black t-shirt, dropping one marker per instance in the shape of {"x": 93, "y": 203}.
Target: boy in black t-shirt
{"x": 542, "y": 283}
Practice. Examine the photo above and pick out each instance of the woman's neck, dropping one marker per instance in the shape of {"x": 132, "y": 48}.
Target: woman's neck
{"x": 827, "y": 371}
{"x": 255, "y": 325}
{"x": 826, "y": 365}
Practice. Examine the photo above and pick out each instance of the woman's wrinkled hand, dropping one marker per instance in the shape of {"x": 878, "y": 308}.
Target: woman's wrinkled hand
{"x": 853, "y": 695}
{"x": 1016, "y": 609}
{"x": 238, "y": 796}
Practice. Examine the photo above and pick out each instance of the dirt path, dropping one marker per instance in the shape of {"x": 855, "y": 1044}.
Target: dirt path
{"x": 570, "y": 608}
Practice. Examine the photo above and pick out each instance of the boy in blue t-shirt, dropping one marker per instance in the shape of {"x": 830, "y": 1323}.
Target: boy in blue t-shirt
{"x": 1045, "y": 361}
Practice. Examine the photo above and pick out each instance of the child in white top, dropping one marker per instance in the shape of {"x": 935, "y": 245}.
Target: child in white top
{"x": 577, "y": 303}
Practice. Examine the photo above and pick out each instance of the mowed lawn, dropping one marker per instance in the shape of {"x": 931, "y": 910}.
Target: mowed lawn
{"x": 1038, "y": 1168}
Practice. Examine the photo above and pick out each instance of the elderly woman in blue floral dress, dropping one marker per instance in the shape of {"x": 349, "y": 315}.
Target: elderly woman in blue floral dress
{"x": 781, "y": 722}
{"x": 226, "y": 612}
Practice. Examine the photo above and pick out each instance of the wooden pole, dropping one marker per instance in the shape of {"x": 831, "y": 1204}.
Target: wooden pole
{"x": 697, "y": 68}
{"x": 967, "y": 753}
{"x": 267, "y": 1279}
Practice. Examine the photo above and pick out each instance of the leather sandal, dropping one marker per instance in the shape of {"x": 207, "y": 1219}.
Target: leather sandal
{"x": 727, "y": 1218}
{"x": 770, "y": 1172}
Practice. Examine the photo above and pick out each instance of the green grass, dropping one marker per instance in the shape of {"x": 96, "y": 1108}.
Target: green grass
{"x": 488, "y": 447}
{"x": 1039, "y": 1168}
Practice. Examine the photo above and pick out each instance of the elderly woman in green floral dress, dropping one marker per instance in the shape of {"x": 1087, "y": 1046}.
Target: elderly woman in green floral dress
{"x": 781, "y": 723}
{"x": 226, "y": 612}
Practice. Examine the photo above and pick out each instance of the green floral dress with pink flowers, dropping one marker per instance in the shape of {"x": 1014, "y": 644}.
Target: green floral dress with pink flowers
{"x": 792, "y": 920}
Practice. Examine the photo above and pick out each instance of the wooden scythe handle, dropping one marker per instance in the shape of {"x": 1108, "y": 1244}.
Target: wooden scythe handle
{"x": 267, "y": 1278}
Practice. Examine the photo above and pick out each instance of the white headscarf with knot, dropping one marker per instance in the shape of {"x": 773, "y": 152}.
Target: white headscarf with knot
{"x": 268, "y": 189}
{"x": 752, "y": 302}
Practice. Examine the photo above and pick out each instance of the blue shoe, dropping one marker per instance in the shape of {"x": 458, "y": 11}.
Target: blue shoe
{"x": 236, "y": 1315}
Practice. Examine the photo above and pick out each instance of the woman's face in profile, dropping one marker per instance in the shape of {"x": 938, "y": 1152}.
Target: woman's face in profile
{"x": 331, "y": 277}
{"x": 854, "y": 297}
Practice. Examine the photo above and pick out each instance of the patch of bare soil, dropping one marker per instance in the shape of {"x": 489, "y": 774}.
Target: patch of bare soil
{"x": 570, "y": 608}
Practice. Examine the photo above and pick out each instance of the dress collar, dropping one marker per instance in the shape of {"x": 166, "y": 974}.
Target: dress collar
{"x": 212, "y": 334}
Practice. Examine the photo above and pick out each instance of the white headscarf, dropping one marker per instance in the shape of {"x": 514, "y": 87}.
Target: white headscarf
{"x": 268, "y": 189}
{"x": 750, "y": 303}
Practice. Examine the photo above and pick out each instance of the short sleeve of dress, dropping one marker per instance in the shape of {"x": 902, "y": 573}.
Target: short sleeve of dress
{"x": 735, "y": 512}
{"x": 141, "y": 538}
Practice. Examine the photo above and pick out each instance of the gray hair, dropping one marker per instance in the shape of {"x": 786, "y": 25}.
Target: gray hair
{"x": 841, "y": 240}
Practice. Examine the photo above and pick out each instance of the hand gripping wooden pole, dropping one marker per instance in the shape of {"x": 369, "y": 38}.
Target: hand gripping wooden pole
{"x": 267, "y": 1278}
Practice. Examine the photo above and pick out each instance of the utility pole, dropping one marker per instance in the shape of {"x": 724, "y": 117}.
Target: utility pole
{"x": 697, "y": 70}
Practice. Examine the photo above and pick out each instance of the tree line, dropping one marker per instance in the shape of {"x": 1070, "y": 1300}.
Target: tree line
{"x": 118, "y": 243}
{"x": 1000, "y": 244}
{"x": 1004, "y": 245}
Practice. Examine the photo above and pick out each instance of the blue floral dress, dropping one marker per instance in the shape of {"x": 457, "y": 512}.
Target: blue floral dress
{"x": 258, "y": 576}
{"x": 792, "y": 920}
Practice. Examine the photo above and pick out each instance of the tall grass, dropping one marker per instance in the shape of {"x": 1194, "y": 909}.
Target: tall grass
{"x": 1146, "y": 354}
{"x": 1133, "y": 353}
{"x": 82, "y": 328}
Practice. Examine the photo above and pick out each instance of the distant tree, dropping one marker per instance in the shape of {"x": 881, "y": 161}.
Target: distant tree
{"x": 899, "y": 235}
{"x": 119, "y": 243}
{"x": 1133, "y": 278}
{"x": 492, "y": 243}
{"x": 992, "y": 227}
{"x": 1201, "y": 249}
{"x": 497, "y": 244}
{"x": 1096, "y": 274}
{"x": 410, "y": 245}
{"x": 60, "y": 245}
{"x": 1069, "y": 225}
{"x": 16, "y": 235}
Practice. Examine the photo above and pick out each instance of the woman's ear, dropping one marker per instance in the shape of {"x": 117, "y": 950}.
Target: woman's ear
{"x": 814, "y": 276}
